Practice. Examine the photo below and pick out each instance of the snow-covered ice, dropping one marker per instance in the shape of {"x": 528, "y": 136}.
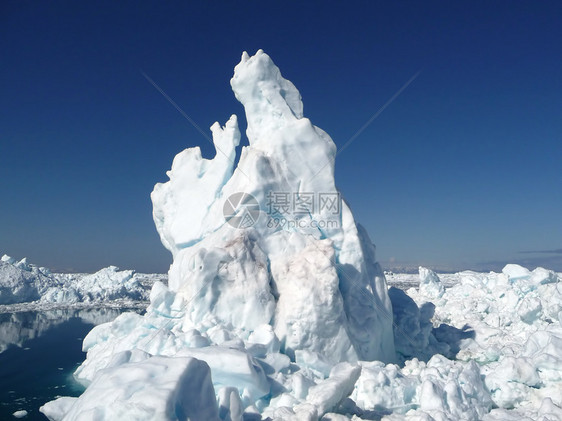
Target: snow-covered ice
{"x": 216, "y": 264}
{"x": 509, "y": 323}
{"x": 294, "y": 320}
{"x": 27, "y": 286}
{"x": 22, "y": 282}
{"x": 157, "y": 388}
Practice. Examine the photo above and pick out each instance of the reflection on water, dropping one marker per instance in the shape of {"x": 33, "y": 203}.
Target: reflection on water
{"x": 39, "y": 351}
{"x": 18, "y": 328}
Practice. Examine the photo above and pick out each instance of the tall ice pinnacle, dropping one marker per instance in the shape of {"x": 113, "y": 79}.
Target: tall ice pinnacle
{"x": 301, "y": 255}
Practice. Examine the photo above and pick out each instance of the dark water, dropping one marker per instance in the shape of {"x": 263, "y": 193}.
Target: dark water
{"x": 39, "y": 351}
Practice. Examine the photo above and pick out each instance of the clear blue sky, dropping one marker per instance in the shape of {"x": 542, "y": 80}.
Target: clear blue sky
{"x": 463, "y": 170}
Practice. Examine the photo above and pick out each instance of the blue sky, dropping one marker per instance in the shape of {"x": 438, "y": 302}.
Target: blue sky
{"x": 463, "y": 170}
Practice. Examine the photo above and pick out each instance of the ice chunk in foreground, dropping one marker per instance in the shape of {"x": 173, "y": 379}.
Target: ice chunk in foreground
{"x": 157, "y": 388}
{"x": 441, "y": 388}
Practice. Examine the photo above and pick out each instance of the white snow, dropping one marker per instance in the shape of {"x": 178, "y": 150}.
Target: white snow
{"x": 295, "y": 321}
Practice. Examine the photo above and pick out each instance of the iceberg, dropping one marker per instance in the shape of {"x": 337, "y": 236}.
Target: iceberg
{"x": 276, "y": 308}
{"x": 22, "y": 282}
{"x": 299, "y": 223}
{"x": 269, "y": 266}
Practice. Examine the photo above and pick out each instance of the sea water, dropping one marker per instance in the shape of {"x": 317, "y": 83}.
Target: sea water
{"x": 39, "y": 351}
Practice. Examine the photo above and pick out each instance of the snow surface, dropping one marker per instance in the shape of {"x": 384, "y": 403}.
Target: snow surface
{"x": 296, "y": 322}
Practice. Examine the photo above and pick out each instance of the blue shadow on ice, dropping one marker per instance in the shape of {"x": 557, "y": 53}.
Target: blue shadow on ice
{"x": 414, "y": 334}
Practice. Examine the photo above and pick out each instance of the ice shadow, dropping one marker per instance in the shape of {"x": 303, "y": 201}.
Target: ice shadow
{"x": 414, "y": 334}
{"x": 453, "y": 337}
